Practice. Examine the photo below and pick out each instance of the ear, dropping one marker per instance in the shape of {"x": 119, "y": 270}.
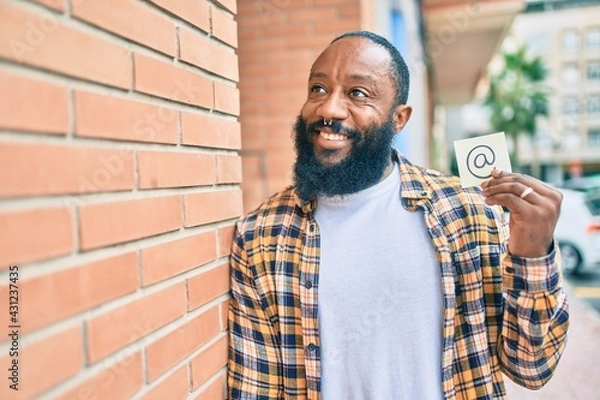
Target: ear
{"x": 401, "y": 116}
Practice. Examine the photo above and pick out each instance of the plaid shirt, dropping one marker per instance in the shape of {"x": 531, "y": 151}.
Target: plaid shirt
{"x": 502, "y": 314}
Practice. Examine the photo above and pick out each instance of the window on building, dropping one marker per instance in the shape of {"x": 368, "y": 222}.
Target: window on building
{"x": 538, "y": 44}
{"x": 570, "y": 106}
{"x": 570, "y": 40}
{"x": 594, "y": 137}
{"x": 592, "y": 38}
{"x": 593, "y": 104}
{"x": 593, "y": 71}
{"x": 570, "y": 73}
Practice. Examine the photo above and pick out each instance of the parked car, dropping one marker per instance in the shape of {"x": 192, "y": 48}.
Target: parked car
{"x": 578, "y": 231}
{"x": 586, "y": 184}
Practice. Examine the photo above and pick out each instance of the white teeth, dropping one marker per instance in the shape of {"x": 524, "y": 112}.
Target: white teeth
{"x": 336, "y": 137}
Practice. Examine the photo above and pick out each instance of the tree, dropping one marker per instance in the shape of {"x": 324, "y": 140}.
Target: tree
{"x": 517, "y": 97}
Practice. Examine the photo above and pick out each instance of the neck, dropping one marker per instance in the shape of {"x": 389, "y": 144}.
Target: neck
{"x": 388, "y": 170}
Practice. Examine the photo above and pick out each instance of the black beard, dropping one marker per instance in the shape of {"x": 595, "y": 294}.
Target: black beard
{"x": 362, "y": 167}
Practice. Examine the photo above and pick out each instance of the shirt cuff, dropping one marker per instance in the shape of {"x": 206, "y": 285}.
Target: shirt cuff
{"x": 541, "y": 274}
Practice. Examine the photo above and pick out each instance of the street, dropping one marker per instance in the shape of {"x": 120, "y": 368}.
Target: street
{"x": 587, "y": 288}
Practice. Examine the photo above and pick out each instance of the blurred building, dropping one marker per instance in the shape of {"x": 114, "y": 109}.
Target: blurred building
{"x": 566, "y": 34}
{"x": 447, "y": 45}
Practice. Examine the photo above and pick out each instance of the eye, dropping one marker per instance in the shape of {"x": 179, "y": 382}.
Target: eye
{"x": 317, "y": 89}
{"x": 358, "y": 93}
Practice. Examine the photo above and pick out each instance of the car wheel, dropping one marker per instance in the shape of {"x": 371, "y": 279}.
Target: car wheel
{"x": 571, "y": 259}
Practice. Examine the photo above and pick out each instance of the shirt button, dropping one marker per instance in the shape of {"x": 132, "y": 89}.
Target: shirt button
{"x": 311, "y": 347}
{"x": 510, "y": 270}
{"x": 424, "y": 193}
{"x": 311, "y": 227}
{"x": 308, "y": 284}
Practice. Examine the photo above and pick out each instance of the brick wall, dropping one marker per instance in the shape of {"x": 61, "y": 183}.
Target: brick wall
{"x": 119, "y": 152}
{"x": 279, "y": 40}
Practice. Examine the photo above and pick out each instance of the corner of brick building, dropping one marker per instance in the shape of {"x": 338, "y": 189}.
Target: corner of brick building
{"x": 278, "y": 42}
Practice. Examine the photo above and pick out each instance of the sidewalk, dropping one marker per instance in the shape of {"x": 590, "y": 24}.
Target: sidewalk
{"x": 577, "y": 376}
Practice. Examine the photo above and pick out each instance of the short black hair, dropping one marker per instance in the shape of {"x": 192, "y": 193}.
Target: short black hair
{"x": 398, "y": 68}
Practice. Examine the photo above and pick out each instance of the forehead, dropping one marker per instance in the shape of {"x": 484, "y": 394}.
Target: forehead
{"x": 353, "y": 56}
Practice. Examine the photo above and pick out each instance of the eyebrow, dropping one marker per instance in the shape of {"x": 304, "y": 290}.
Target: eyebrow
{"x": 355, "y": 77}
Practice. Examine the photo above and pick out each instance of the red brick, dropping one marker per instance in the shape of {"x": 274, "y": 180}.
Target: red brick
{"x": 227, "y": 99}
{"x": 210, "y": 131}
{"x": 109, "y": 117}
{"x": 204, "y": 208}
{"x": 130, "y": 19}
{"x": 170, "y": 169}
{"x": 276, "y": 30}
{"x": 42, "y": 41}
{"x": 178, "y": 344}
{"x": 231, "y": 5}
{"x": 260, "y": 15}
{"x": 45, "y": 112}
{"x": 247, "y": 33}
{"x": 53, "y": 297}
{"x": 225, "y": 240}
{"x": 209, "y": 362}
{"x": 336, "y": 28}
{"x": 224, "y": 27}
{"x": 208, "y": 285}
{"x": 229, "y": 169}
{"x": 120, "y": 380}
{"x": 215, "y": 390}
{"x": 316, "y": 14}
{"x": 349, "y": 10}
{"x": 39, "y": 368}
{"x": 208, "y": 54}
{"x": 29, "y": 239}
{"x": 117, "y": 222}
{"x": 196, "y": 12}
{"x": 224, "y": 314}
{"x": 174, "y": 387}
{"x": 170, "y": 82}
{"x": 310, "y": 42}
{"x": 58, "y": 5}
{"x": 117, "y": 328}
{"x": 170, "y": 259}
{"x": 35, "y": 169}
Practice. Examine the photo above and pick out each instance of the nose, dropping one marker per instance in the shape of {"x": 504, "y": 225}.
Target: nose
{"x": 333, "y": 107}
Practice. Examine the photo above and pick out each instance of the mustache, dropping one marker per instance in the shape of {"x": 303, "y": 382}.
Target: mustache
{"x": 335, "y": 127}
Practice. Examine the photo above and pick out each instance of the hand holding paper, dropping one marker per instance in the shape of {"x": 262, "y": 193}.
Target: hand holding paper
{"x": 534, "y": 206}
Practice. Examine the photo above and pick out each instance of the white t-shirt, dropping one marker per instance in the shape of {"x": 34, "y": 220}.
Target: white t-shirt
{"x": 380, "y": 298}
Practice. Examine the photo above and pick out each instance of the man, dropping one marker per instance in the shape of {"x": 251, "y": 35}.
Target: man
{"x": 371, "y": 278}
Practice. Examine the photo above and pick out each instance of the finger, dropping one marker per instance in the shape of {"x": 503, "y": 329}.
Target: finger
{"x": 502, "y": 177}
{"x": 513, "y": 191}
{"x": 514, "y": 203}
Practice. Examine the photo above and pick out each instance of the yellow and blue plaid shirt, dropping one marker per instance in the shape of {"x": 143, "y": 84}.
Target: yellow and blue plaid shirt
{"x": 502, "y": 314}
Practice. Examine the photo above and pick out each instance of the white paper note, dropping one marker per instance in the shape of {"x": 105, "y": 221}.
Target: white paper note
{"x": 478, "y": 156}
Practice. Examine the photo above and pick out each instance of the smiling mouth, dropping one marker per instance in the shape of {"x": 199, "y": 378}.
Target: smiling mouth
{"x": 334, "y": 137}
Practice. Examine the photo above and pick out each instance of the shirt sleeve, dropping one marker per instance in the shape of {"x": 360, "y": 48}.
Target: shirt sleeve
{"x": 253, "y": 367}
{"x": 536, "y": 318}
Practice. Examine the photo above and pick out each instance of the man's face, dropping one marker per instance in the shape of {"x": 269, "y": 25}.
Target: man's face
{"x": 349, "y": 83}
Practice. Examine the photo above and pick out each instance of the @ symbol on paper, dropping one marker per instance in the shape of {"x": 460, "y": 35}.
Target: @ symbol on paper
{"x": 478, "y": 159}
